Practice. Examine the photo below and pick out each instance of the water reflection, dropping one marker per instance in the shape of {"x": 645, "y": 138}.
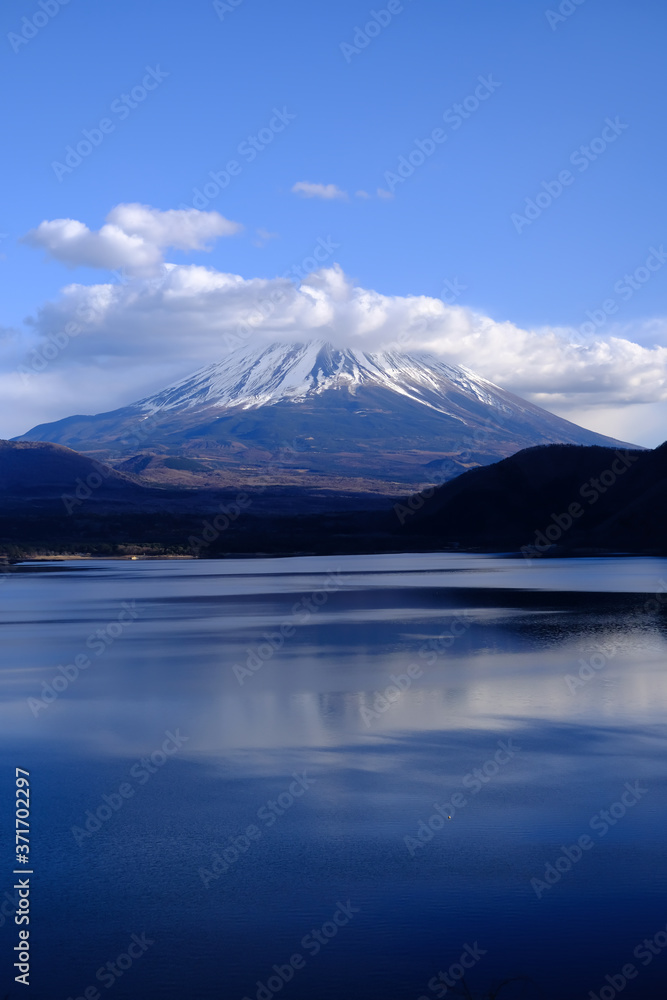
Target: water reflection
{"x": 388, "y": 693}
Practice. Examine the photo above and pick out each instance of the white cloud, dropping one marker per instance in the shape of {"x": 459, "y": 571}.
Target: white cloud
{"x": 138, "y": 336}
{"x": 134, "y": 237}
{"x": 183, "y": 228}
{"x": 72, "y": 243}
{"x": 326, "y": 191}
{"x": 263, "y": 237}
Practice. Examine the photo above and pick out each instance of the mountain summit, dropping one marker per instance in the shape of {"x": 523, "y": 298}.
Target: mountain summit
{"x": 297, "y": 372}
{"x": 311, "y": 413}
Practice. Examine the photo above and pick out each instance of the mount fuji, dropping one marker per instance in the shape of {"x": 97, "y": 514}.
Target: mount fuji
{"x": 317, "y": 415}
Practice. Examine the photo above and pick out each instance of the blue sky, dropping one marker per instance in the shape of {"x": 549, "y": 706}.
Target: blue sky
{"x": 222, "y": 75}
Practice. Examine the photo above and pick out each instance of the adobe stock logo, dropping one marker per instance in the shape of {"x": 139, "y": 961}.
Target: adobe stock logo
{"x": 122, "y": 106}
{"x": 379, "y": 20}
{"x": 31, "y": 26}
{"x": 601, "y": 823}
{"x": 581, "y": 158}
{"x": 221, "y": 7}
{"x": 565, "y": 9}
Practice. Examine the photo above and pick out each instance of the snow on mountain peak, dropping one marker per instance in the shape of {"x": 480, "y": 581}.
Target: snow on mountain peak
{"x": 260, "y": 376}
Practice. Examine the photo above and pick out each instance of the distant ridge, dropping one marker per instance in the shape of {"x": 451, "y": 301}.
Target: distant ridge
{"x": 547, "y": 500}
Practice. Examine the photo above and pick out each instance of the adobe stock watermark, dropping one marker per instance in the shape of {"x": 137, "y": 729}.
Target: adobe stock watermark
{"x": 265, "y": 307}
{"x": 582, "y": 157}
{"x": 238, "y": 845}
{"x": 645, "y": 952}
{"x": 479, "y": 439}
{"x": 224, "y": 7}
{"x": 141, "y": 772}
{"x": 31, "y": 26}
{"x": 229, "y": 513}
{"x": 454, "y": 116}
{"x": 86, "y": 487}
{"x": 98, "y": 642}
{"x": 471, "y": 444}
{"x": 565, "y": 10}
{"x": 417, "y": 500}
{"x": 591, "y": 491}
{"x": 249, "y": 149}
{"x": 599, "y": 660}
{"x": 625, "y": 288}
{"x": 212, "y": 529}
{"x": 58, "y": 342}
{"x": 141, "y": 431}
{"x": 302, "y": 611}
{"x": 122, "y": 107}
{"x": 42, "y": 356}
{"x": 363, "y": 36}
{"x": 451, "y": 290}
{"x": 109, "y": 973}
{"x": 446, "y": 981}
{"x": 312, "y": 943}
{"x": 601, "y": 823}
{"x": 474, "y": 781}
{"x": 8, "y": 907}
{"x": 320, "y": 253}
{"x": 401, "y": 683}
{"x": 595, "y": 662}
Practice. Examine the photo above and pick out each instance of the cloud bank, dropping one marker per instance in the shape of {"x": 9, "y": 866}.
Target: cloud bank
{"x": 130, "y": 338}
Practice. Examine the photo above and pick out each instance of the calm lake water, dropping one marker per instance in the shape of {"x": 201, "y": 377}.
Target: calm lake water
{"x": 253, "y": 772}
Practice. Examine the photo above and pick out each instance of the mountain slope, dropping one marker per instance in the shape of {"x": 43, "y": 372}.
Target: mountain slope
{"x": 314, "y": 412}
{"x": 561, "y": 495}
{"x": 40, "y": 469}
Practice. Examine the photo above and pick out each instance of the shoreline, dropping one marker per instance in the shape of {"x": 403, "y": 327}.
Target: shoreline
{"x": 7, "y": 565}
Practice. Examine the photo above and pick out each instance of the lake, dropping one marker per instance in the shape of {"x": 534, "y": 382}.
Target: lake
{"x": 351, "y": 778}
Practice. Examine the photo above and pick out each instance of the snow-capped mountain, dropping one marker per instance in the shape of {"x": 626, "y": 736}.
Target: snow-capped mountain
{"x": 314, "y": 414}
{"x": 295, "y": 372}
